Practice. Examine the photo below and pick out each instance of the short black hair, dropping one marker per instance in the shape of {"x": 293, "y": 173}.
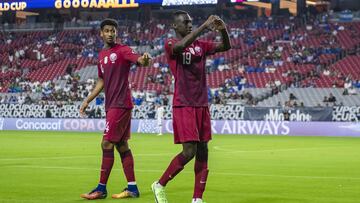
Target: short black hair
{"x": 109, "y": 21}
{"x": 178, "y": 13}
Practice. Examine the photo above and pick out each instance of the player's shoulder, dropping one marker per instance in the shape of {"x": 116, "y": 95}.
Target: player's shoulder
{"x": 122, "y": 47}
{"x": 125, "y": 49}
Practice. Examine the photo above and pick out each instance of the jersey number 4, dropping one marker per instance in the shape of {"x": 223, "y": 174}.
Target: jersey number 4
{"x": 186, "y": 58}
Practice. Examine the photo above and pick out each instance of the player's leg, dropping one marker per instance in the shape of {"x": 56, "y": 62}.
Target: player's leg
{"x": 201, "y": 171}
{"x": 127, "y": 161}
{"x": 112, "y": 134}
{"x": 186, "y": 133}
{"x": 201, "y": 159}
{"x": 100, "y": 191}
{"x": 178, "y": 163}
{"x": 175, "y": 166}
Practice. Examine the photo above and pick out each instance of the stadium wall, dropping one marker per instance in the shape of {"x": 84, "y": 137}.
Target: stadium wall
{"x": 235, "y": 127}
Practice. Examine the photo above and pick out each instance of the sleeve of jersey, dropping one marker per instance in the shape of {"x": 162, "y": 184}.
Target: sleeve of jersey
{"x": 130, "y": 55}
{"x": 100, "y": 73}
{"x": 209, "y": 47}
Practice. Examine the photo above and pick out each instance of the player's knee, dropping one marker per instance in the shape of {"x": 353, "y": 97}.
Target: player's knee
{"x": 122, "y": 147}
{"x": 202, "y": 152}
{"x": 107, "y": 145}
{"x": 202, "y": 148}
{"x": 189, "y": 152}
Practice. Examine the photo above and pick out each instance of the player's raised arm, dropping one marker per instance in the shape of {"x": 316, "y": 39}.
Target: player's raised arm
{"x": 96, "y": 91}
{"x": 144, "y": 60}
{"x": 225, "y": 45}
{"x": 183, "y": 27}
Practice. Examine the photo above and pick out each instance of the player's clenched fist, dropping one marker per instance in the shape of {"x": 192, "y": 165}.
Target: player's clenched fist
{"x": 219, "y": 24}
{"x": 209, "y": 23}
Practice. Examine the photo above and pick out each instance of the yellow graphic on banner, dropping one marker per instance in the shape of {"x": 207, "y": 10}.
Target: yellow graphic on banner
{"x": 13, "y": 6}
{"x": 60, "y": 4}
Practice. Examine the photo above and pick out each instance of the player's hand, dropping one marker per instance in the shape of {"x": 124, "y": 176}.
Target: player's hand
{"x": 209, "y": 23}
{"x": 83, "y": 107}
{"x": 219, "y": 24}
{"x": 145, "y": 59}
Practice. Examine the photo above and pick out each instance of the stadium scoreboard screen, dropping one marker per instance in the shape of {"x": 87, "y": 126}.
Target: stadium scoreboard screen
{"x": 19, "y": 5}
{"x": 240, "y": 1}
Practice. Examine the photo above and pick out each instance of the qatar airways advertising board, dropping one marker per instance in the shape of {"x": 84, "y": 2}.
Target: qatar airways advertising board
{"x": 234, "y": 127}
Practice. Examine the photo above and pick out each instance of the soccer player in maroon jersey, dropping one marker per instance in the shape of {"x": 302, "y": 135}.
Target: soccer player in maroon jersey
{"x": 113, "y": 71}
{"x": 191, "y": 118}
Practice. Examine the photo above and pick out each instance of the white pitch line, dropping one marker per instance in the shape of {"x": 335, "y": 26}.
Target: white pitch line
{"x": 187, "y": 172}
{"x": 45, "y": 158}
{"x": 270, "y": 150}
{"x": 74, "y": 157}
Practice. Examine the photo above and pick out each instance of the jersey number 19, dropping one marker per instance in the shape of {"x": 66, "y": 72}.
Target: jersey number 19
{"x": 186, "y": 58}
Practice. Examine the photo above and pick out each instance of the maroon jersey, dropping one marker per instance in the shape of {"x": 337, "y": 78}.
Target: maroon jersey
{"x": 114, "y": 67}
{"x": 189, "y": 71}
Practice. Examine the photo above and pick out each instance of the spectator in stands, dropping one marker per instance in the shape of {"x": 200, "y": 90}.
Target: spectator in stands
{"x": 352, "y": 91}
{"x": 292, "y": 97}
{"x": 326, "y": 99}
{"x": 302, "y": 104}
{"x": 348, "y": 83}
{"x": 326, "y": 72}
{"x": 356, "y": 84}
{"x": 138, "y": 100}
{"x": 69, "y": 69}
{"x": 332, "y": 98}
{"x": 160, "y": 78}
{"x": 98, "y": 113}
{"x": 48, "y": 113}
{"x": 13, "y": 99}
{"x": 28, "y": 99}
{"x": 149, "y": 79}
{"x": 21, "y": 99}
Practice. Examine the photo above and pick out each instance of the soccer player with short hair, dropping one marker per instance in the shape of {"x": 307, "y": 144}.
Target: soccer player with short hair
{"x": 191, "y": 118}
{"x": 114, "y": 65}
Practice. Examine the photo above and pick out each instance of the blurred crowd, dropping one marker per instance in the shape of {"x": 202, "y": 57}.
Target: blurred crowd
{"x": 265, "y": 56}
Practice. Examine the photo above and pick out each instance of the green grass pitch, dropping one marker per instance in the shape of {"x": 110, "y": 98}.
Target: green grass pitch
{"x": 59, "y": 166}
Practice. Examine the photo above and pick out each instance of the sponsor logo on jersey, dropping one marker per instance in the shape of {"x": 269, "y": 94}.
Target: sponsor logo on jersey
{"x": 105, "y": 60}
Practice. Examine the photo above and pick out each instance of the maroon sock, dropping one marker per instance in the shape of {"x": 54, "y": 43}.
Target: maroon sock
{"x": 201, "y": 173}
{"x": 176, "y": 165}
{"x": 127, "y": 161}
{"x": 106, "y": 165}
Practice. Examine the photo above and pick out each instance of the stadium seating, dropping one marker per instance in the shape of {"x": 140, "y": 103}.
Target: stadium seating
{"x": 247, "y": 36}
